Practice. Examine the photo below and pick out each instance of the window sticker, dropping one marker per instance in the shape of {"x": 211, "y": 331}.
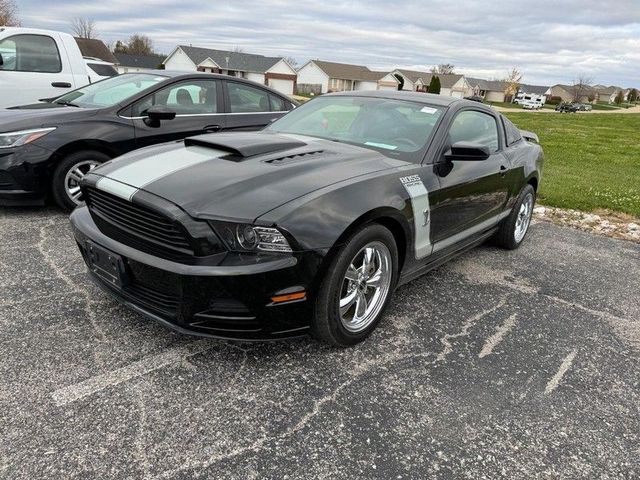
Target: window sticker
{"x": 381, "y": 145}
{"x": 429, "y": 110}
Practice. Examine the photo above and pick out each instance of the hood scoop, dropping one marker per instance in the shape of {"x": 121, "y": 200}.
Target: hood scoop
{"x": 245, "y": 144}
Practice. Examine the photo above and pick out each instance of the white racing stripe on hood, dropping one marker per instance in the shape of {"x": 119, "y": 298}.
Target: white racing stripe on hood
{"x": 126, "y": 181}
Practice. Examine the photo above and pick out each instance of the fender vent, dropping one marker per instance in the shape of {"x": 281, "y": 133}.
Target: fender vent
{"x": 295, "y": 156}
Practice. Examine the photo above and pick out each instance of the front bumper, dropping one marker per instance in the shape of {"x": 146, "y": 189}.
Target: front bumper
{"x": 231, "y": 300}
{"x": 24, "y": 175}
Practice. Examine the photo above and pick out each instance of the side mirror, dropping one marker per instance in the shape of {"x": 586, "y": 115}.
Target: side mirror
{"x": 468, "y": 151}
{"x": 157, "y": 113}
{"x": 1, "y": 60}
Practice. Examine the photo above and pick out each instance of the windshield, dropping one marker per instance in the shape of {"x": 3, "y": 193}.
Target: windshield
{"x": 110, "y": 91}
{"x": 396, "y": 127}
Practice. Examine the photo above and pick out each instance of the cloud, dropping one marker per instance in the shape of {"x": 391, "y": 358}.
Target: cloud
{"x": 551, "y": 41}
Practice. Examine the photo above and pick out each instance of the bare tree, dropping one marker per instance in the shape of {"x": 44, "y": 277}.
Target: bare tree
{"x": 238, "y": 49}
{"x": 139, "y": 45}
{"x": 291, "y": 61}
{"x": 443, "y": 69}
{"x": 512, "y": 84}
{"x": 9, "y": 13}
{"x": 84, "y": 27}
{"x": 581, "y": 86}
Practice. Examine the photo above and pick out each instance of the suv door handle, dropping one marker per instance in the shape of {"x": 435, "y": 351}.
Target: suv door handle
{"x": 503, "y": 170}
{"x": 61, "y": 84}
{"x": 212, "y": 128}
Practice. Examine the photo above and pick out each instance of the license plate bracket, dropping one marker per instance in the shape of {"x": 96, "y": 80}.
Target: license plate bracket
{"x": 107, "y": 265}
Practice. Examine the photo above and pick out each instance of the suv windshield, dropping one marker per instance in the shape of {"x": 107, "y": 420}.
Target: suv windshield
{"x": 110, "y": 91}
{"x": 398, "y": 128}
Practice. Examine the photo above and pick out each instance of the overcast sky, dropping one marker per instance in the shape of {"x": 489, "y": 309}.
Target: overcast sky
{"x": 550, "y": 41}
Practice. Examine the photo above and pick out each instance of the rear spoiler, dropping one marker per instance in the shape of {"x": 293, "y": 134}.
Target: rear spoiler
{"x": 529, "y": 136}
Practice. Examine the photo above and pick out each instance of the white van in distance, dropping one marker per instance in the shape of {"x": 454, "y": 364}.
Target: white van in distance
{"x": 37, "y": 64}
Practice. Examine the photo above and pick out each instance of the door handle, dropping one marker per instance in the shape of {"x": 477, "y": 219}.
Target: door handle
{"x": 212, "y": 128}
{"x": 503, "y": 170}
{"x": 61, "y": 84}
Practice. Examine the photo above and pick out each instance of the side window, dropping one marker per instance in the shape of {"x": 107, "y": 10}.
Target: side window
{"x": 278, "y": 104}
{"x": 191, "y": 97}
{"x": 245, "y": 98}
{"x": 30, "y": 53}
{"x": 513, "y": 134}
{"x": 473, "y": 126}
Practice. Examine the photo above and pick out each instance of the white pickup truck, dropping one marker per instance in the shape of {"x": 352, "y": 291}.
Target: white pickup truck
{"x": 37, "y": 64}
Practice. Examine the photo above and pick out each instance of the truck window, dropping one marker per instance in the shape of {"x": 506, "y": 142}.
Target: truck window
{"x": 30, "y": 53}
{"x": 102, "y": 69}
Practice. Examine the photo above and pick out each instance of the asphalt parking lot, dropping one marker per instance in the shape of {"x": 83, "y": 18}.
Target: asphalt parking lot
{"x": 520, "y": 364}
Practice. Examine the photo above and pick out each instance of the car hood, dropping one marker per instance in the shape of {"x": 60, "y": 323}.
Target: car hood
{"x": 12, "y": 120}
{"x": 237, "y": 176}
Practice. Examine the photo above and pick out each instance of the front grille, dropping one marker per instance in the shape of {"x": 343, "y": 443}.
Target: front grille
{"x": 143, "y": 227}
{"x": 153, "y": 299}
{"x": 7, "y": 182}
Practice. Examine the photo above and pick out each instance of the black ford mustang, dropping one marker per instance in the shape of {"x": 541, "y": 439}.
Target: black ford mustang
{"x": 309, "y": 225}
{"x": 48, "y": 147}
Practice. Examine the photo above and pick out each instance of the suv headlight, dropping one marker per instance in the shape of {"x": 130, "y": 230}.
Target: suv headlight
{"x": 242, "y": 237}
{"x": 22, "y": 137}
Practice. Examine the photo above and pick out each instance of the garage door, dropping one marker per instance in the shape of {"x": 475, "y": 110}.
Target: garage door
{"x": 283, "y": 86}
{"x": 387, "y": 87}
{"x": 456, "y": 94}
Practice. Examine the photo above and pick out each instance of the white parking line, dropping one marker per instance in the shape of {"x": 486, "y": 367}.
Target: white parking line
{"x": 497, "y": 337}
{"x": 72, "y": 393}
{"x": 564, "y": 366}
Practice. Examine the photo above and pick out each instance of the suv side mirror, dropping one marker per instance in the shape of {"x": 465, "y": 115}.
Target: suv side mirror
{"x": 468, "y": 151}
{"x": 157, "y": 113}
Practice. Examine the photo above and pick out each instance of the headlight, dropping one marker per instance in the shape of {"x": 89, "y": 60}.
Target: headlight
{"x": 15, "y": 139}
{"x": 241, "y": 237}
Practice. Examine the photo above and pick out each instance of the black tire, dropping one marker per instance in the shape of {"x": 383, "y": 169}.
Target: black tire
{"x": 327, "y": 325}
{"x": 67, "y": 164}
{"x": 506, "y": 235}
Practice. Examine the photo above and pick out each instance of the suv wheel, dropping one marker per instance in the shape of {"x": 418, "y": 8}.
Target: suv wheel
{"x": 357, "y": 287}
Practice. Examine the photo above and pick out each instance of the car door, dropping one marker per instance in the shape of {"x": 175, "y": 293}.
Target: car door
{"x": 472, "y": 193}
{"x": 197, "y": 104}
{"x": 250, "y": 107}
{"x": 33, "y": 68}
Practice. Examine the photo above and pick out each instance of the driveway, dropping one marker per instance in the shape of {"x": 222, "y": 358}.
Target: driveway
{"x": 500, "y": 364}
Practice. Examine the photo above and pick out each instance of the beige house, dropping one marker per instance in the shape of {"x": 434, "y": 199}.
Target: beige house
{"x": 452, "y": 85}
{"x": 318, "y": 76}
{"x": 573, "y": 93}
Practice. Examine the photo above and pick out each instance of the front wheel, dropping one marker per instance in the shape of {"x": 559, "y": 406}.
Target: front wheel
{"x": 515, "y": 227}
{"x": 68, "y": 174}
{"x": 357, "y": 287}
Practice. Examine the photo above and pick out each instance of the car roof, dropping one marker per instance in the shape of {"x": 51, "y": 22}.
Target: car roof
{"x": 426, "y": 98}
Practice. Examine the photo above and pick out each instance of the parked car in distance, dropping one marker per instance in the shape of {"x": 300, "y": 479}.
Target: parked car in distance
{"x": 567, "y": 107}
{"x": 36, "y": 64}
{"x": 584, "y": 107}
{"x": 531, "y": 105}
{"x": 48, "y": 147}
{"x": 99, "y": 69}
{"x": 310, "y": 224}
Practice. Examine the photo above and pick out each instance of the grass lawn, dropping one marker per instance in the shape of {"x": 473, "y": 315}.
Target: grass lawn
{"x": 591, "y": 161}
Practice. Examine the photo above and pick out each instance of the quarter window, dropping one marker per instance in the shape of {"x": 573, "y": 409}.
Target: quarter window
{"x": 30, "y": 53}
{"x": 477, "y": 127}
{"x": 194, "y": 97}
{"x": 513, "y": 134}
{"x": 244, "y": 98}
{"x": 278, "y": 104}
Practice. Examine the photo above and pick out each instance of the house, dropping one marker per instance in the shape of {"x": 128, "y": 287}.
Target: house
{"x": 573, "y": 93}
{"x": 452, "y": 85}
{"x": 128, "y": 63}
{"x": 272, "y": 71}
{"x": 318, "y": 76}
{"x": 94, "y": 48}
{"x": 526, "y": 89}
{"x": 489, "y": 90}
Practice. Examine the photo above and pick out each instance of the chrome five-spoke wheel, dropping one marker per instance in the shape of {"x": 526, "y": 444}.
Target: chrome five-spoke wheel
{"x": 365, "y": 286}
{"x": 73, "y": 177}
{"x": 524, "y": 218}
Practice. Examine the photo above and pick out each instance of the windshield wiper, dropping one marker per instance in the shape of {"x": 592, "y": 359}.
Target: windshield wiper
{"x": 67, "y": 104}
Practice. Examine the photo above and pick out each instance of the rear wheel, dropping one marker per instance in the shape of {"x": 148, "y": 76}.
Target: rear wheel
{"x": 357, "y": 287}
{"x": 515, "y": 227}
{"x": 69, "y": 173}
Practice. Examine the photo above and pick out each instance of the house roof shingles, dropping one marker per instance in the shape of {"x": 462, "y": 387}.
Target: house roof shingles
{"x": 92, "y": 47}
{"x": 347, "y": 71}
{"x": 240, "y": 61}
{"x": 447, "y": 80}
{"x": 141, "y": 61}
